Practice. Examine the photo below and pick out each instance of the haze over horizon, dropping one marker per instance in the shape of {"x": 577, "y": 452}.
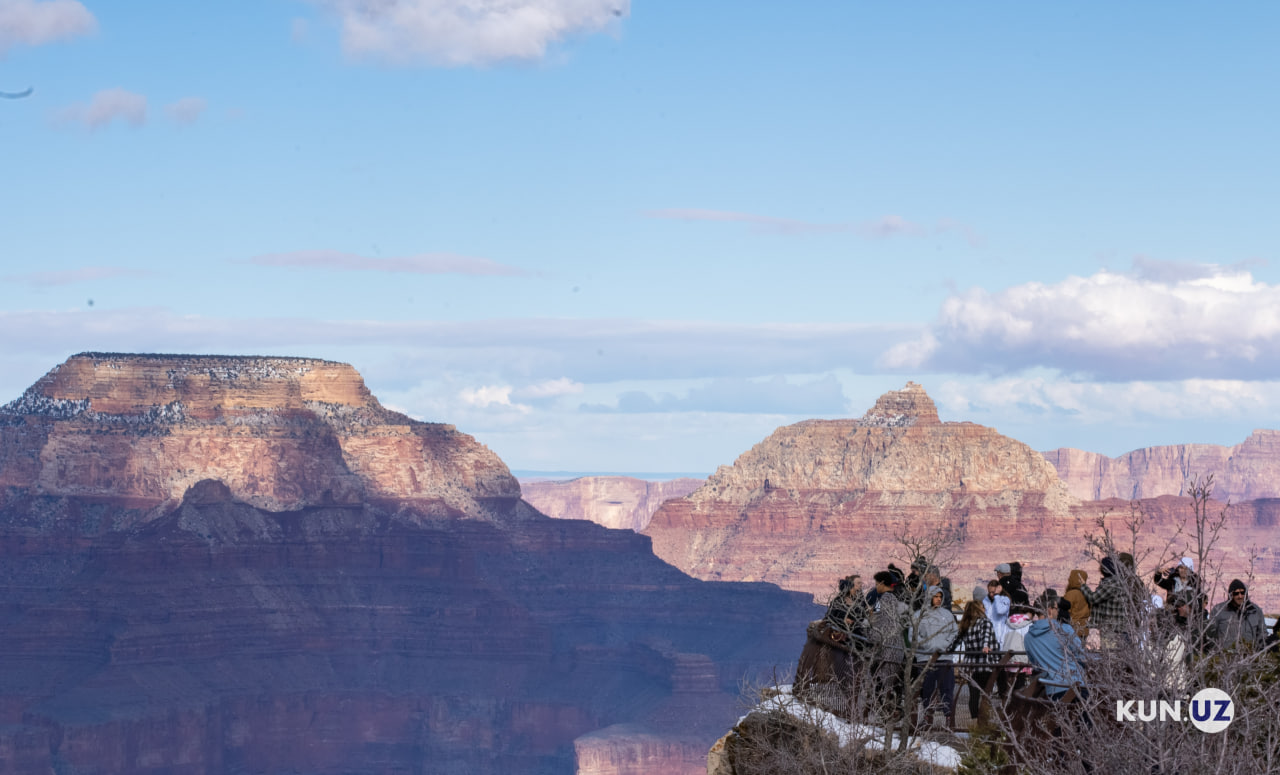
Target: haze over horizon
{"x": 606, "y": 236}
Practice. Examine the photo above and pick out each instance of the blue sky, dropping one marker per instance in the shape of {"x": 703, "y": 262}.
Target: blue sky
{"x": 639, "y": 236}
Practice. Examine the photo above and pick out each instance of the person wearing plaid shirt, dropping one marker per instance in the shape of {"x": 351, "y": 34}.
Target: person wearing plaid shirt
{"x": 1108, "y": 606}
{"x": 981, "y": 648}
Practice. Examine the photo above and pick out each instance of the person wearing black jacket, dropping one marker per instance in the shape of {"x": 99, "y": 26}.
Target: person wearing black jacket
{"x": 1009, "y": 576}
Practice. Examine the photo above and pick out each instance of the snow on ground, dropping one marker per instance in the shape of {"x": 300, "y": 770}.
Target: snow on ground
{"x": 865, "y": 735}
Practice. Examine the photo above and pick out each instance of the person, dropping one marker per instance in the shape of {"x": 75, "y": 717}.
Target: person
{"x": 1014, "y": 640}
{"x": 1273, "y": 640}
{"x": 980, "y": 646}
{"x": 1011, "y": 583}
{"x": 997, "y": 608}
{"x": 1079, "y": 606}
{"x": 936, "y": 633}
{"x": 888, "y": 627}
{"x": 1173, "y": 638}
{"x": 847, "y": 611}
{"x": 1237, "y": 619}
{"x": 1178, "y": 578}
{"x": 914, "y": 593}
{"x": 1055, "y": 650}
{"x": 934, "y": 578}
{"x": 1108, "y": 606}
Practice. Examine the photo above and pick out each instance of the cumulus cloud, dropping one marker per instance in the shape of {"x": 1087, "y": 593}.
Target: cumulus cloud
{"x": 525, "y": 350}
{"x": 466, "y": 32}
{"x": 772, "y": 396}
{"x": 884, "y": 227}
{"x": 424, "y": 263}
{"x": 34, "y": 23}
{"x": 1205, "y": 322}
{"x": 186, "y": 110}
{"x": 491, "y": 396}
{"x": 107, "y": 106}
{"x": 73, "y": 276}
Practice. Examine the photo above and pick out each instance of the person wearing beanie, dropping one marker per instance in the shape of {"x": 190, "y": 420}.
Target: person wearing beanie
{"x": 1237, "y": 620}
{"x": 1109, "y": 611}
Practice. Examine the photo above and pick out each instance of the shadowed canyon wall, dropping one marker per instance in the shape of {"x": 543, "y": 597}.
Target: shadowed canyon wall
{"x": 343, "y": 590}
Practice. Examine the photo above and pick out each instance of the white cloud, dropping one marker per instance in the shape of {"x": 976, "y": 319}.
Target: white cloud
{"x": 425, "y": 263}
{"x": 186, "y": 110}
{"x": 106, "y": 106}
{"x": 486, "y": 396}
{"x": 1208, "y": 322}
{"x": 33, "y": 23}
{"x": 466, "y": 32}
{"x": 552, "y": 388}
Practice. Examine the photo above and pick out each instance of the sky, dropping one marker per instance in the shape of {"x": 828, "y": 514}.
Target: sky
{"x": 604, "y": 235}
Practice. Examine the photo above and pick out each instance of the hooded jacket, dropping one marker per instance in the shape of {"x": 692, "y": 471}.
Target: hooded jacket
{"x": 936, "y": 631}
{"x": 1057, "y": 652}
{"x": 1079, "y": 606}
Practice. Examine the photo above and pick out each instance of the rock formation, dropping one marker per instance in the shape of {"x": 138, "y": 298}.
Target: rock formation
{"x": 397, "y": 608}
{"x": 619, "y": 502}
{"x": 282, "y": 433}
{"x": 1247, "y": 471}
{"x": 824, "y": 498}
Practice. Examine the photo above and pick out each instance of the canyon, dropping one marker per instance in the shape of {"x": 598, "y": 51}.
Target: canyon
{"x": 232, "y": 564}
{"x": 824, "y": 498}
{"x": 621, "y": 502}
{"x": 1247, "y": 471}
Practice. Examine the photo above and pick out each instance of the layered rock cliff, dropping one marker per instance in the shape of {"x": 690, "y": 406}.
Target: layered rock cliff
{"x": 398, "y": 610}
{"x": 282, "y": 433}
{"x": 821, "y": 499}
{"x": 1247, "y": 471}
{"x": 613, "y": 501}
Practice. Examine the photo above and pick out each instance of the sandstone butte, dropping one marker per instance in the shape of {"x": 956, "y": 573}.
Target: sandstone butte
{"x": 824, "y": 498}
{"x": 217, "y": 564}
{"x": 621, "y": 502}
{"x": 1248, "y": 471}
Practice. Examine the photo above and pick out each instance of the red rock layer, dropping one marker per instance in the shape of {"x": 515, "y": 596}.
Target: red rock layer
{"x": 613, "y": 501}
{"x": 1246, "y": 471}
{"x": 282, "y": 433}
{"x": 821, "y": 499}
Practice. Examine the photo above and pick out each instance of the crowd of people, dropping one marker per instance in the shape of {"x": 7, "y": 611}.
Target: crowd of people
{"x": 909, "y": 617}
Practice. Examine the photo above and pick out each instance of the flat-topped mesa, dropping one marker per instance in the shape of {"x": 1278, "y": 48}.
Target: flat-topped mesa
{"x": 901, "y": 408}
{"x": 281, "y": 433}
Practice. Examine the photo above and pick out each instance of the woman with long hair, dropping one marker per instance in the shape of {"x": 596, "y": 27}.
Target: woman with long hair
{"x": 980, "y": 649}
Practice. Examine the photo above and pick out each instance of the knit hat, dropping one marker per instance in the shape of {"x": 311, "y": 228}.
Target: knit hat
{"x": 1002, "y": 568}
{"x": 1107, "y": 566}
{"x": 1190, "y": 563}
{"x": 1236, "y": 584}
{"x": 979, "y": 592}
